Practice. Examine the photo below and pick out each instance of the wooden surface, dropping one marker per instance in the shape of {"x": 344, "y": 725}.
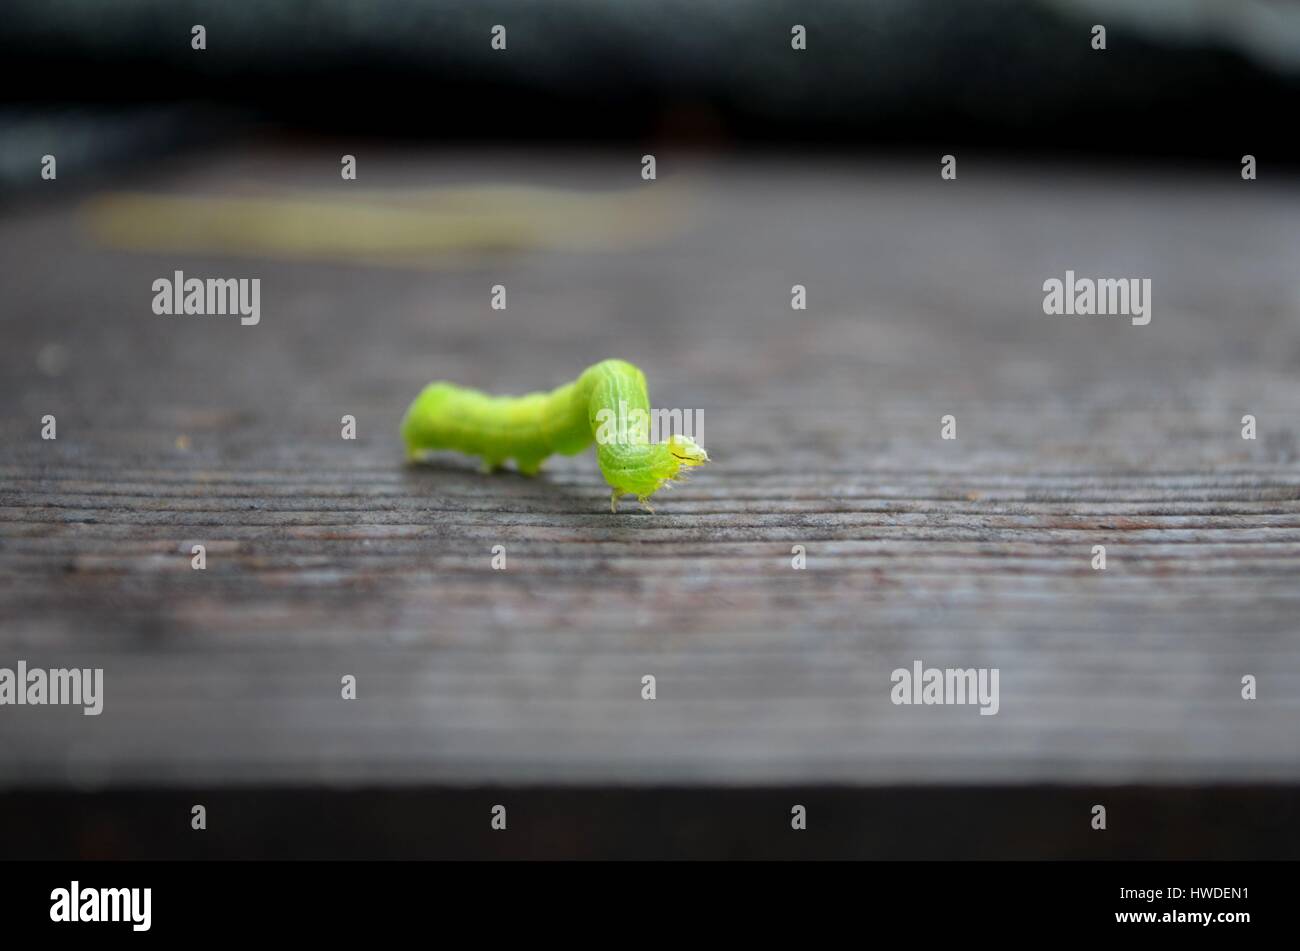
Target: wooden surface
{"x": 328, "y": 557}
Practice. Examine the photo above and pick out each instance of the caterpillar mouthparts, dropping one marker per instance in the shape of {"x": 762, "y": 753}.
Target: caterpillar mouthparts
{"x": 608, "y": 404}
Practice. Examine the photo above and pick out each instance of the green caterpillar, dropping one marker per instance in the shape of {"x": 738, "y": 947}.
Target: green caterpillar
{"x": 608, "y": 404}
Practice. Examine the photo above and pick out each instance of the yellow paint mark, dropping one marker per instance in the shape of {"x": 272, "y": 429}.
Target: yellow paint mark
{"x": 417, "y": 228}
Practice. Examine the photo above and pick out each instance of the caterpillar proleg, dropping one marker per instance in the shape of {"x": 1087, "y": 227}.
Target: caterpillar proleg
{"x": 566, "y": 420}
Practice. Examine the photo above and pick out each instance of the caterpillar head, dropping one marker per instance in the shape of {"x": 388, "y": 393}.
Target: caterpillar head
{"x": 686, "y": 451}
{"x": 644, "y": 470}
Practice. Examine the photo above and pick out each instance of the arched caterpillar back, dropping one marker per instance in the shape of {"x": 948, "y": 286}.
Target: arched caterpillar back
{"x": 566, "y": 420}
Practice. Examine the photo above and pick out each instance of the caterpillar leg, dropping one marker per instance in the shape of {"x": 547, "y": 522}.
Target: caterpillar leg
{"x": 528, "y": 467}
{"x": 644, "y": 500}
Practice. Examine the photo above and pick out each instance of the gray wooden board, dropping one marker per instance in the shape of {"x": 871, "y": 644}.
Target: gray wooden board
{"x": 328, "y": 557}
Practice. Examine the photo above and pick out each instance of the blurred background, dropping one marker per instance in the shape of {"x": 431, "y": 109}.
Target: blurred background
{"x": 113, "y": 83}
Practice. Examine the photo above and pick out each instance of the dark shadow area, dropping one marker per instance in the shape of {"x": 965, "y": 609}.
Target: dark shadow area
{"x": 1036, "y": 822}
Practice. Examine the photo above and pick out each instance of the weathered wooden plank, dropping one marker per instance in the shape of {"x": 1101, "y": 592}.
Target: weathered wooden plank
{"x": 328, "y": 557}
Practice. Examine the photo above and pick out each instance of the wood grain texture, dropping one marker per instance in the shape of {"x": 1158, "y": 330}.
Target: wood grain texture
{"x": 328, "y": 557}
